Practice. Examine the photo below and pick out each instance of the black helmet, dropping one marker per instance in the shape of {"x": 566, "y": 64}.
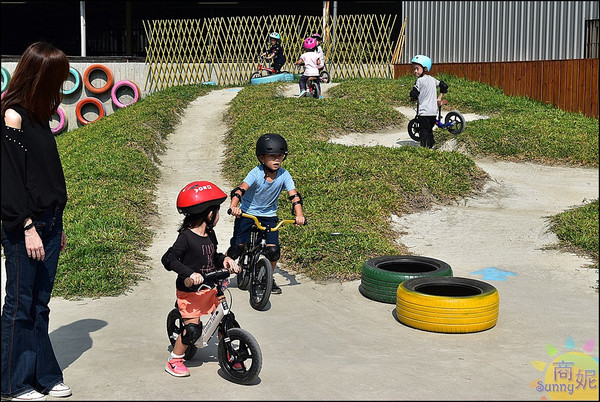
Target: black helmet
{"x": 271, "y": 144}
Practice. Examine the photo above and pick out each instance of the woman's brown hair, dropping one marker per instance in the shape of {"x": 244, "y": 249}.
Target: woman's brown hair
{"x": 37, "y": 81}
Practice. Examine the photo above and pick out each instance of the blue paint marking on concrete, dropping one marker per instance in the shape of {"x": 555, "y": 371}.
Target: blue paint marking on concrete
{"x": 494, "y": 274}
{"x": 234, "y": 90}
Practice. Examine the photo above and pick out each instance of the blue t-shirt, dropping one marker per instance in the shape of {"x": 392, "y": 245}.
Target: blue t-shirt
{"x": 261, "y": 197}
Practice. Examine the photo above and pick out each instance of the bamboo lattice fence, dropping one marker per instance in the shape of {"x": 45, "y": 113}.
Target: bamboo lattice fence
{"x": 225, "y": 49}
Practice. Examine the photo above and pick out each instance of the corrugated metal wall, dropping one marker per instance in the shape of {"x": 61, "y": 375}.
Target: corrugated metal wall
{"x": 491, "y": 31}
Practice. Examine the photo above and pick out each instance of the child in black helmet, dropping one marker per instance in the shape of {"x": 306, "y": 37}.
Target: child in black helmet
{"x": 258, "y": 195}
{"x": 195, "y": 253}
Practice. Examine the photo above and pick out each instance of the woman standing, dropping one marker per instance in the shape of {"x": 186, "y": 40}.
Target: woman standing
{"x": 34, "y": 195}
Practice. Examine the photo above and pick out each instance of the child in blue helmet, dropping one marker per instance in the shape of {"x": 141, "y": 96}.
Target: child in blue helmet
{"x": 275, "y": 53}
{"x": 425, "y": 91}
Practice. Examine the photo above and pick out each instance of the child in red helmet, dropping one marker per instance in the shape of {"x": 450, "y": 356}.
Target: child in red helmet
{"x": 195, "y": 253}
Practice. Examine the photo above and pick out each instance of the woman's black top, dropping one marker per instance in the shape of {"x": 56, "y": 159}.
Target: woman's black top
{"x": 32, "y": 176}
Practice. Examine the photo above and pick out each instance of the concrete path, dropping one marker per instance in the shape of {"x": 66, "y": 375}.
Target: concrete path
{"x": 324, "y": 341}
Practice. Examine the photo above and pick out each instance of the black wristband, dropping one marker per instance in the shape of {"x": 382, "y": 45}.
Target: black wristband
{"x": 26, "y": 228}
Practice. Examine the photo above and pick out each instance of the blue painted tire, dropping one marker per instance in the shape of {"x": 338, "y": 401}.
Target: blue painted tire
{"x": 77, "y": 84}
{"x": 285, "y": 77}
{"x": 5, "y": 79}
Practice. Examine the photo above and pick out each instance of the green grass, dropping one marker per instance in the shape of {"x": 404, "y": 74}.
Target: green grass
{"x": 349, "y": 192}
{"x": 577, "y": 230}
{"x": 111, "y": 174}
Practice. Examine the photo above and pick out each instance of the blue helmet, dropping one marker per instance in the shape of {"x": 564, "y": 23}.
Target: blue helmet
{"x": 275, "y": 35}
{"x": 423, "y": 61}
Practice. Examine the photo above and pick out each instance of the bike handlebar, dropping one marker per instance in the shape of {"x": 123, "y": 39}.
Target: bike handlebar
{"x": 210, "y": 279}
{"x": 261, "y": 227}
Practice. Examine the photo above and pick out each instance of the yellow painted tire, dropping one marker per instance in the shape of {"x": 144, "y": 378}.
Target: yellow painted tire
{"x": 447, "y": 304}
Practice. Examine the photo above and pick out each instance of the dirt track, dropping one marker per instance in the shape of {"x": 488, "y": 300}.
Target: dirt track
{"x": 326, "y": 341}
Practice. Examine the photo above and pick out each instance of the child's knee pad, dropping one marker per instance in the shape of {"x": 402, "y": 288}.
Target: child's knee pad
{"x": 191, "y": 333}
{"x": 273, "y": 252}
{"x": 234, "y": 251}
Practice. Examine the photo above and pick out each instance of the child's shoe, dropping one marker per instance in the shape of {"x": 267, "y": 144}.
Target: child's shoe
{"x": 176, "y": 367}
{"x": 32, "y": 395}
{"x": 302, "y": 93}
{"x": 275, "y": 289}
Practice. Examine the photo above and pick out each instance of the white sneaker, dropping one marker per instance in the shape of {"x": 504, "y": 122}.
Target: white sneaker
{"x": 32, "y": 395}
{"x": 302, "y": 93}
{"x": 60, "y": 390}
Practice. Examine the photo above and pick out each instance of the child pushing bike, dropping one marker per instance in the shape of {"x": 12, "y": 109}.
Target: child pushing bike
{"x": 258, "y": 195}
{"x": 192, "y": 256}
{"x": 425, "y": 91}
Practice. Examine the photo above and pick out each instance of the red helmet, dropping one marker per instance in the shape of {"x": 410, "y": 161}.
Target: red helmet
{"x": 197, "y": 196}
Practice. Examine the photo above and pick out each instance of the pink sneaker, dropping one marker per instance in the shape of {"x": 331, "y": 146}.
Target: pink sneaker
{"x": 176, "y": 367}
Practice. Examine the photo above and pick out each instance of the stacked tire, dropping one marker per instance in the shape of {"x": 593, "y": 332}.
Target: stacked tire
{"x": 448, "y": 305}
{"x": 381, "y": 276}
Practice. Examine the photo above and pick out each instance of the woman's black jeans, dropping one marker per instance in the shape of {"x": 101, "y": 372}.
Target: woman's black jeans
{"x": 28, "y": 360}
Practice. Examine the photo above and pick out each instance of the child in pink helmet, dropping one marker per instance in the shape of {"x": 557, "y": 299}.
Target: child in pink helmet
{"x": 312, "y": 62}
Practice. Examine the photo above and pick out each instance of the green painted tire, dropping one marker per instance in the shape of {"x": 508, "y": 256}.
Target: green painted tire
{"x": 382, "y": 275}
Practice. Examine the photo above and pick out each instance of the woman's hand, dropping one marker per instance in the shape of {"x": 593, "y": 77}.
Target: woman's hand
{"x": 231, "y": 265}
{"x": 63, "y": 240}
{"x": 34, "y": 245}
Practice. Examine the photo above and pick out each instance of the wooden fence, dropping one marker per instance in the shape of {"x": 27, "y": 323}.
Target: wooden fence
{"x": 225, "y": 50}
{"x": 571, "y": 85}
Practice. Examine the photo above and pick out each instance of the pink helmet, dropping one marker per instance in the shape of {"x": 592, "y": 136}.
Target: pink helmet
{"x": 310, "y": 43}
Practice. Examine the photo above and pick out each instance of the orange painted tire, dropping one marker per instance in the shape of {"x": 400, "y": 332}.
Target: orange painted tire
{"x": 84, "y": 102}
{"x": 88, "y": 84}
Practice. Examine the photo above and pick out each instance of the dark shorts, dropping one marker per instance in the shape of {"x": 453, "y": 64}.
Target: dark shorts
{"x": 242, "y": 226}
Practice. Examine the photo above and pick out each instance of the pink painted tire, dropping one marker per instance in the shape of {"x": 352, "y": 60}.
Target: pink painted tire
{"x": 62, "y": 122}
{"x": 84, "y": 102}
{"x": 125, "y": 83}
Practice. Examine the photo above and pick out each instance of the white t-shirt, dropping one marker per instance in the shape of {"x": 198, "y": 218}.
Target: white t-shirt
{"x": 312, "y": 62}
{"x": 427, "y": 87}
{"x": 321, "y": 55}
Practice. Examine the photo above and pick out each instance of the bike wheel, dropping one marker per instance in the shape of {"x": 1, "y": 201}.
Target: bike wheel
{"x": 455, "y": 122}
{"x": 413, "y": 130}
{"x": 241, "y": 361}
{"x": 175, "y": 328}
{"x": 261, "y": 283}
{"x": 324, "y": 76}
{"x": 255, "y": 74}
{"x": 243, "y": 278}
{"x": 317, "y": 90}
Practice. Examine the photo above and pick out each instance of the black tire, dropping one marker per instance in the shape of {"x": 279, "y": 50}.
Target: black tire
{"x": 255, "y": 74}
{"x": 245, "y": 352}
{"x": 316, "y": 90}
{"x": 382, "y": 275}
{"x": 449, "y": 305}
{"x": 243, "y": 278}
{"x": 324, "y": 76}
{"x": 284, "y": 72}
{"x": 413, "y": 130}
{"x": 261, "y": 283}
{"x": 174, "y": 329}
{"x": 457, "y": 121}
